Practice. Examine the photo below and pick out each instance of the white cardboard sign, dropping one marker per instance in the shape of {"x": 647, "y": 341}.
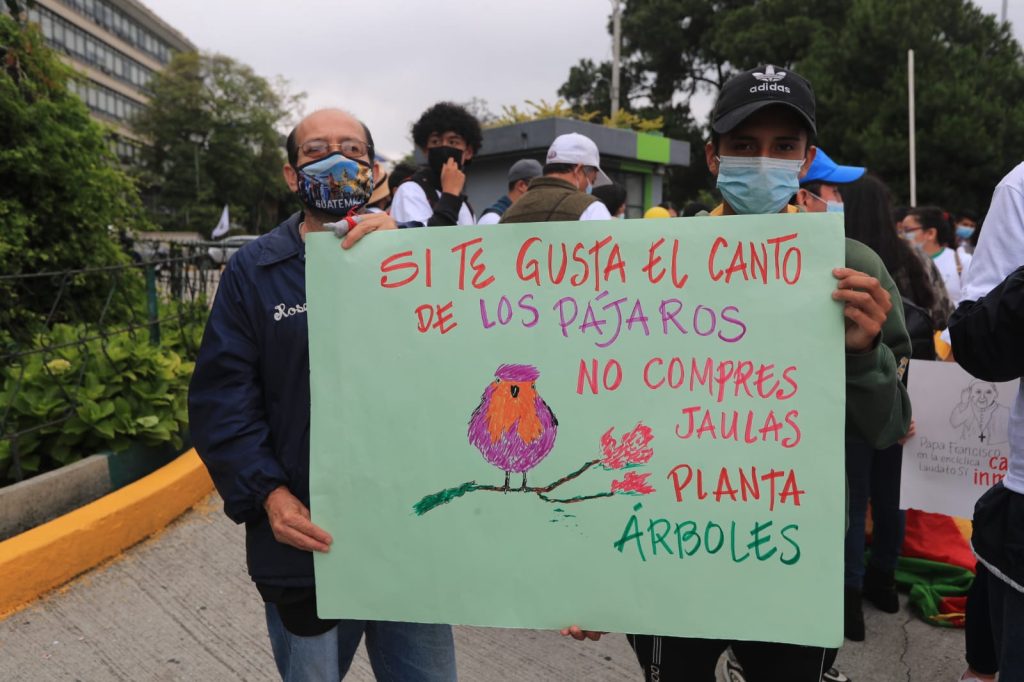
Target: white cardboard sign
{"x": 961, "y": 445}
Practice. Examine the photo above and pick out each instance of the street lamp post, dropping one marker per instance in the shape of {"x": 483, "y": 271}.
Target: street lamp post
{"x": 196, "y": 139}
{"x": 616, "y": 53}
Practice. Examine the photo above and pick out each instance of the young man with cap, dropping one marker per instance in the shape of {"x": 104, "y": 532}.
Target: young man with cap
{"x": 448, "y": 136}
{"x": 572, "y": 169}
{"x": 761, "y": 143}
{"x": 519, "y": 176}
{"x": 819, "y": 188}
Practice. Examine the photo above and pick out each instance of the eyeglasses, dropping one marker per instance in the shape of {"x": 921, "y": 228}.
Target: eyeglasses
{"x": 353, "y": 149}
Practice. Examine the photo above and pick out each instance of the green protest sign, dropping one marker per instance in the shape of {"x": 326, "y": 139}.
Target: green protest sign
{"x": 634, "y": 426}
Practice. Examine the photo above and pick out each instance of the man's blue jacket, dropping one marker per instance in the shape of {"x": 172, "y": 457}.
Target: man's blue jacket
{"x": 249, "y": 397}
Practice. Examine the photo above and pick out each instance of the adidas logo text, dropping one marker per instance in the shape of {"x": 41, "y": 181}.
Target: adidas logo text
{"x": 774, "y": 87}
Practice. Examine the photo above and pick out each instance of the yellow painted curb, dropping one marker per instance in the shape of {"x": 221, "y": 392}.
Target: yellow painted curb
{"x": 49, "y": 555}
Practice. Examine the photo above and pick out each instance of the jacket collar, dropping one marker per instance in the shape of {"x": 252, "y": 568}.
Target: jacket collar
{"x": 720, "y": 210}
{"x": 548, "y": 181}
{"x": 282, "y": 243}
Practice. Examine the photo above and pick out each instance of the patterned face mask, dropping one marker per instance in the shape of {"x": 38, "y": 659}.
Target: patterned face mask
{"x": 335, "y": 184}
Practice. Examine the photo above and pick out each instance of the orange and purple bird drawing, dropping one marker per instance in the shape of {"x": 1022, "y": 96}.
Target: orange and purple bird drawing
{"x": 513, "y": 427}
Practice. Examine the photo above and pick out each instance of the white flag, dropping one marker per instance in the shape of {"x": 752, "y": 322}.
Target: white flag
{"x": 223, "y": 225}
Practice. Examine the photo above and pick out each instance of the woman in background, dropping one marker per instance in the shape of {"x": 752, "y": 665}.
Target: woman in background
{"x": 875, "y": 474}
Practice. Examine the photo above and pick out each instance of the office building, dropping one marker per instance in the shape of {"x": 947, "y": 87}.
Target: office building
{"x": 117, "y": 45}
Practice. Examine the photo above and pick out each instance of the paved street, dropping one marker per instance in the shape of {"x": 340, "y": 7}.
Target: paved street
{"x": 180, "y": 607}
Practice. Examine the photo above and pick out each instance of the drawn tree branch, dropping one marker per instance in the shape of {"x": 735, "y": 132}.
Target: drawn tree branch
{"x": 630, "y": 451}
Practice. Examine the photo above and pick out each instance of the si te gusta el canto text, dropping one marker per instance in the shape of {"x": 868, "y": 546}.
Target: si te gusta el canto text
{"x": 606, "y": 319}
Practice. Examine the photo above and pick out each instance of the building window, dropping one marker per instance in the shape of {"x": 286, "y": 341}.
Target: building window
{"x": 127, "y": 151}
{"x": 106, "y": 102}
{"x": 73, "y": 41}
{"x": 122, "y": 25}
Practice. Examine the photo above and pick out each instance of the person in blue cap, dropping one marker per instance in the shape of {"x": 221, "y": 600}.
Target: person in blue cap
{"x": 820, "y": 189}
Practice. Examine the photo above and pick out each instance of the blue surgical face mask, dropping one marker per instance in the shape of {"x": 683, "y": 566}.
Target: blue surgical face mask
{"x": 830, "y": 206}
{"x": 758, "y": 184}
{"x": 964, "y": 231}
{"x": 590, "y": 187}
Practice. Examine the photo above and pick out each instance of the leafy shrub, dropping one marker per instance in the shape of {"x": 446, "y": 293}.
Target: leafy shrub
{"x": 85, "y": 397}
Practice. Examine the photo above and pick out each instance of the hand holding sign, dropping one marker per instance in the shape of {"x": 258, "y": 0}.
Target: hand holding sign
{"x": 867, "y": 305}
{"x": 290, "y": 522}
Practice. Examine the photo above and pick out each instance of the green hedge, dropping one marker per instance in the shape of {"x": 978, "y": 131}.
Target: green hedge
{"x": 98, "y": 395}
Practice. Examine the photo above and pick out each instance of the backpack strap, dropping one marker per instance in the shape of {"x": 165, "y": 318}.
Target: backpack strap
{"x": 424, "y": 177}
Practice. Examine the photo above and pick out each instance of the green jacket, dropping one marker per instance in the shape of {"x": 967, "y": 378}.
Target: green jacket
{"x": 877, "y": 403}
{"x": 548, "y": 200}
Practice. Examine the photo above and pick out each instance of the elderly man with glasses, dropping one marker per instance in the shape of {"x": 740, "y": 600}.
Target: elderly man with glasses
{"x": 249, "y": 407}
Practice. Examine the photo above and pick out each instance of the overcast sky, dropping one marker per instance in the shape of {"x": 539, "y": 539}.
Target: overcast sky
{"x": 388, "y": 60}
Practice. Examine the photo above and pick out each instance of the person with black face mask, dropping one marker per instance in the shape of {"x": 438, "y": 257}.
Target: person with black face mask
{"x": 249, "y": 407}
{"x": 448, "y": 136}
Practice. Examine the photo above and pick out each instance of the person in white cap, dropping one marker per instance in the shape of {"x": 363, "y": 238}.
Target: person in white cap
{"x": 572, "y": 169}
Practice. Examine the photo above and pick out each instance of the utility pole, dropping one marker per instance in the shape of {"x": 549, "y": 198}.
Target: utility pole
{"x": 912, "y": 126}
{"x": 616, "y": 52}
{"x": 1004, "y": 11}
{"x": 196, "y": 139}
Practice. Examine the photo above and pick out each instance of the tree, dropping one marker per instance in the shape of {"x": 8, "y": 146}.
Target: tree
{"x": 970, "y": 121}
{"x": 61, "y": 189}
{"x": 212, "y": 126}
{"x": 969, "y": 97}
{"x": 674, "y": 50}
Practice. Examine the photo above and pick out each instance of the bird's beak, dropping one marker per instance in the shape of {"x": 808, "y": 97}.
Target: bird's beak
{"x": 515, "y": 390}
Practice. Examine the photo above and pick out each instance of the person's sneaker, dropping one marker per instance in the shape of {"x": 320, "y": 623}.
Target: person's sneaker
{"x": 833, "y": 675}
{"x": 729, "y": 669}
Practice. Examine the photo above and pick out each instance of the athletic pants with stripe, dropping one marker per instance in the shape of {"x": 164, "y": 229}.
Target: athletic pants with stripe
{"x": 686, "y": 659}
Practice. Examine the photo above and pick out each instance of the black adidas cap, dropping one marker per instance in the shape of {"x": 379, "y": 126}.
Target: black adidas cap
{"x": 752, "y": 90}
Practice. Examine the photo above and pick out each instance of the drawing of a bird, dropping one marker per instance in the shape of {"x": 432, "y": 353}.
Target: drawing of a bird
{"x": 513, "y": 427}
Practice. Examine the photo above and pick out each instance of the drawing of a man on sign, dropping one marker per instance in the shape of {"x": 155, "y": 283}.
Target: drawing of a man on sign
{"x": 979, "y": 416}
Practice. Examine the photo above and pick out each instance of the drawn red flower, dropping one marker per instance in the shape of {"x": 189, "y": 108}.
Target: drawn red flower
{"x": 633, "y": 483}
{"x": 633, "y": 448}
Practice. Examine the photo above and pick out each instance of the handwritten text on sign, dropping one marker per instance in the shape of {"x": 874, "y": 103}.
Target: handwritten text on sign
{"x": 655, "y": 404}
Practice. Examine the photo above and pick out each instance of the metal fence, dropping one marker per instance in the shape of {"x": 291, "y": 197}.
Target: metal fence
{"x": 167, "y": 290}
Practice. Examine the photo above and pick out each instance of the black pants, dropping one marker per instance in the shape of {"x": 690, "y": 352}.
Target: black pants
{"x": 981, "y": 653}
{"x": 687, "y": 659}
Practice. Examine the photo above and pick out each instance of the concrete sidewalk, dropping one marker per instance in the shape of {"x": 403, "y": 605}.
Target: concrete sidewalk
{"x": 181, "y": 607}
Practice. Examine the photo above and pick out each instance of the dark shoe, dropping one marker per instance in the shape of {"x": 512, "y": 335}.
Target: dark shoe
{"x": 880, "y": 589}
{"x": 833, "y": 675}
{"x": 853, "y": 615}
